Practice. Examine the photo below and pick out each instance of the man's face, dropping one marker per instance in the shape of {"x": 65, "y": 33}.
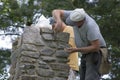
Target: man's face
{"x": 79, "y": 23}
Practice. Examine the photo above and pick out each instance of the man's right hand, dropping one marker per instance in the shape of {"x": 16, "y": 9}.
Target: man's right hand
{"x": 57, "y": 14}
{"x": 58, "y": 26}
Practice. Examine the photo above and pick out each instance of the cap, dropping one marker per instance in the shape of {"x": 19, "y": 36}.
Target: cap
{"x": 77, "y": 15}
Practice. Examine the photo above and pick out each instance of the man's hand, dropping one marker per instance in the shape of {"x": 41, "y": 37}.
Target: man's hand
{"x": 58, "y": 27}
{"x": 70, "y": 50}
{"x": 57, "y": 14}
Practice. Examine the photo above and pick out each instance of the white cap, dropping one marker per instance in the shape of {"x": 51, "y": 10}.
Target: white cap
{"x": 77, "y": 15}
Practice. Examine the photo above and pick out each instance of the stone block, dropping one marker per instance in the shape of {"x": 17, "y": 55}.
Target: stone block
{"x": 62, "y": 53}
{"x": 28, "y": 77}
{"x": 28, "y": 47}
{"x": 59, "y": 78}
{"x": 48, "y": 59}
{"x": 44, "y": 78}
{"x": 63, "y": 36}
{"x": 27, "y": 59}
{"x": 48, "y": 37}
{"x": 46, "y": 51}
{"x": 43, "y": 65}
{"x": 62, "y": 60}
{"x": 30, "y": 54}
{"x": 45, "y": 72}
{"x": 61, "y": 74}
{"x": 60, "y": 67}
{"x": 46, "y": 30}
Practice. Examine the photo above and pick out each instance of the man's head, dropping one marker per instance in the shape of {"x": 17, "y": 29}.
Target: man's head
{"x": 76, "y": 16}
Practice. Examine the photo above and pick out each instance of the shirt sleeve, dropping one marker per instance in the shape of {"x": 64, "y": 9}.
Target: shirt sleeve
{"x": 93, "y": 32}
{"x": 66, "y": 13}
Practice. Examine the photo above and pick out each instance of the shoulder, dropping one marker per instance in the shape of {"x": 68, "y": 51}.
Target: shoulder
{"x": 66, "y": 13}
{"x": 90, "y": 22}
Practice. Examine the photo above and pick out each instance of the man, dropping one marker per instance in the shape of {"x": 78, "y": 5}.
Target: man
{"x": 87, "y": 37}
{"x": 73, "y": 57}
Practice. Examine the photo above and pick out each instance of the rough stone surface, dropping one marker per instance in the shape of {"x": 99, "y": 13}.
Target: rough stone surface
{"x": 39, "y": 55}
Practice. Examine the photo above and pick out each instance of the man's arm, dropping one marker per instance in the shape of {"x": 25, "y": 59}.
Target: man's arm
{"x": 94, "y": 47}
{"x": 58, "y": 14}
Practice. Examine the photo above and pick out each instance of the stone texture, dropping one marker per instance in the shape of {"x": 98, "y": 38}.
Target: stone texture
{"x": 63, "y": 36}
{"x": 59, "y": 67}
{"x": 31, "y": 54}
{"x": 26, "y": 77}
{"x": 39, "y": 55}
{"x": 45, "y": 72}
{"x": 47, "y": 51}
{"x": 61, "y": 53}
{"x": 48, "y": 59}
{"x": 27, "y": 59}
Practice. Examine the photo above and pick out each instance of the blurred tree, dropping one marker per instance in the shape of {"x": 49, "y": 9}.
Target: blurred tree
{"x": 14, "y": 14}
{"x": 48, "y": 5}
{"x": 17, "y": 12}
{"x": 4, "y": 62}
{"x": 107, "y": 14}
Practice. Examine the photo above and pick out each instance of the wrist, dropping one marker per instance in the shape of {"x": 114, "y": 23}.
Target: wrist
{"x": 79, "y": 50}
{"x": 76, "y": 50}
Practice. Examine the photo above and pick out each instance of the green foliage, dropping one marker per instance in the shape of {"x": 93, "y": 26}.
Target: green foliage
{"x": 110, "y": 20}
{"x": 14, "y": 12}
{"x": 79, "y": 3}
{"x": 4, "y": 61}
{"x": 49, "y": 5}
{"x": 4, "y": 58}
{"x": 115, "y": 63}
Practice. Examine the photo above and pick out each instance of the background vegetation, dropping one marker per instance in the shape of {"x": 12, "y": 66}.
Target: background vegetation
{"x": 16, "y": 13}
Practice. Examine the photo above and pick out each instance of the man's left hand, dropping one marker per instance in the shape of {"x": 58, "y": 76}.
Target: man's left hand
{"x": 70, "y": 50}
